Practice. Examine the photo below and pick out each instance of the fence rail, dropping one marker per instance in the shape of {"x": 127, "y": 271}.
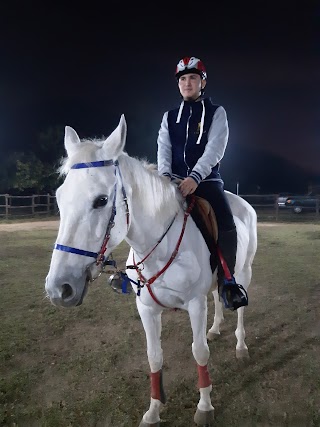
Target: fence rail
{"x": 266, "y": 206}
{"x": 27, "y": 206}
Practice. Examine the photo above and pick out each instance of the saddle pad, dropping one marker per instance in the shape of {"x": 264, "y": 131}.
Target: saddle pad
{"x": 205, "y": 212}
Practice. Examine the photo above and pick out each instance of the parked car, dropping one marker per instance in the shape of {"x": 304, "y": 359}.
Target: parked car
{"x": 299, "y": 204}
{"x": 282, "y": 198}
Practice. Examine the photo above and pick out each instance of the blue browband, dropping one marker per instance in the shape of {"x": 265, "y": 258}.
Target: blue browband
{"x": 98, "y": 164}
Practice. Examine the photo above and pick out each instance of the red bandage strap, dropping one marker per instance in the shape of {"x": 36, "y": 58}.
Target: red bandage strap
{"x": 157, "y": 391}
{"x": 203, "y": 376}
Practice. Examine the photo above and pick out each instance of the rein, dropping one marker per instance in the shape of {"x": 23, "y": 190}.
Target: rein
{"x": 148, "y": 282}
{"x": 149, "y": 253}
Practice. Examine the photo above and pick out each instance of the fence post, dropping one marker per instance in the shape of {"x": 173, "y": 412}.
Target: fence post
{"x": 48, "y": 204}
{"x": 276, "y": 205}
{"x": 317, "y": 205}
{"x": 56, "y": 208}
{"x": 7, "y": 205}
{"x": 33, "y": 205}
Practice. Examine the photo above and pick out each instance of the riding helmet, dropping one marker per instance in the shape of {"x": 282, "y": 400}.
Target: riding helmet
{"x": 189, "y": 65}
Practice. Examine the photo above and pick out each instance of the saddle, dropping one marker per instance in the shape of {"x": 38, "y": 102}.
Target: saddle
{"x": 205, "y": 219}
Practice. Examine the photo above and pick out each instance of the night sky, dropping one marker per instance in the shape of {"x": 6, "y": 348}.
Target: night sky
{"x": 83, "y": 66}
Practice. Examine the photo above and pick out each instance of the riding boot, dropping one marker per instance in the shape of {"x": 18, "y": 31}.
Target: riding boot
{"x": 233, "y": 294}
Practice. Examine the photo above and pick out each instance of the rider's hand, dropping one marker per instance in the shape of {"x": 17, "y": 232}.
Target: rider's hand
{"x": 188, "y": 186}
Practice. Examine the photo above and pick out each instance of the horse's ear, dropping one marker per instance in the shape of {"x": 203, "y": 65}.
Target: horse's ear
{"x": 123, "y": 129}
{"x": 71, "y": 139}
{"x": 116, "y": 141}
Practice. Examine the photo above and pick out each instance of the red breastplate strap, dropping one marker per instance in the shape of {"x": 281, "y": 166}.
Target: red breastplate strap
{"x": 149, "y": 282}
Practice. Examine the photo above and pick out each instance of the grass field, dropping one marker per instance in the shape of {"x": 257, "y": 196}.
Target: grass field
{"x": 87, "y": 366}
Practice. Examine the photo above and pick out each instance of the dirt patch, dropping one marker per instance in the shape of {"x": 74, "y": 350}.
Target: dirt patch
{"x": 33, "y": 225}
{"x": 267, "y": 224}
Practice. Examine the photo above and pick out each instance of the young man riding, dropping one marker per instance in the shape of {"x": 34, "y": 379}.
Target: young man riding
{"x": 191, "y": 144}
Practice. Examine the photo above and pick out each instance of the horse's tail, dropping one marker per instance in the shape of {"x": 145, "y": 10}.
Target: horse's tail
{"x": 248, "y": 216}
{"x": 253, "y": 234}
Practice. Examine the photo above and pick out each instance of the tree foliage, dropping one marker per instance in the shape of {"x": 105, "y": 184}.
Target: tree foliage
{"x": 34, "y": 171}
{"x": 29, "y": 174}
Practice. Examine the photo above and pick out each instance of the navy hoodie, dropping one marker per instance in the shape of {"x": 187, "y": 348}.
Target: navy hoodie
{"x": 192, "y": 140}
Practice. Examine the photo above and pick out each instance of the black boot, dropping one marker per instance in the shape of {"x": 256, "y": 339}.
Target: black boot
{"x": 233, "y": 294}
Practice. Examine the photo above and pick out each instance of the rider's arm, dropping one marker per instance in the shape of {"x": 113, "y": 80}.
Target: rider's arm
{"x": 164, "y": 154}
{"x": 215, "y": 148}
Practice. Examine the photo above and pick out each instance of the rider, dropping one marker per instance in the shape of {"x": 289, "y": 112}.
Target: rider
{"x": 191, "y": 143}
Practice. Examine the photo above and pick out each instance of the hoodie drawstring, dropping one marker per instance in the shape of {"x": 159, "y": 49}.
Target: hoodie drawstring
{"x": 180, "y": 112}
{"x": 201, "y": 123}
{"x": 202, "y": 119}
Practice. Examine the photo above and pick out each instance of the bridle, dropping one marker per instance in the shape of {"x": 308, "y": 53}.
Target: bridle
{"x": 100, "y": 257}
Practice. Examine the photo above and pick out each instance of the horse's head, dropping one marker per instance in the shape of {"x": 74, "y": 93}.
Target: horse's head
{"x": 93, "y": 207}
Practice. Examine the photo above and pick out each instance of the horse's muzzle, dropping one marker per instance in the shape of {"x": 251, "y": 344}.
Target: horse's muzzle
{"x": 67, "y": 295}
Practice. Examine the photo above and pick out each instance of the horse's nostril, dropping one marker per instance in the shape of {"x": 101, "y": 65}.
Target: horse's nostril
{"x": 66, "y": 291}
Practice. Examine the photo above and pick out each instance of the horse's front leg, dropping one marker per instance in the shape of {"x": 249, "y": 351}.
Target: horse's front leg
{"x": 241, "y": 347}
{"x": 214, "y": 331}
{"x": 197, "y": 309}
{"x": 151, "y": 321}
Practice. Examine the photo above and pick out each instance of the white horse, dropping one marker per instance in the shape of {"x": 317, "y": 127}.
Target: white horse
{"x": 107, "y": 197}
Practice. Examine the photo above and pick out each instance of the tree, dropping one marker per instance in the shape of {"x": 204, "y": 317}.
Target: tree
{"x": 26, "y": 173}
{"x": 50, "y": 148}
{"x": 29, "y": 174}
{"x": 36, "y": 170}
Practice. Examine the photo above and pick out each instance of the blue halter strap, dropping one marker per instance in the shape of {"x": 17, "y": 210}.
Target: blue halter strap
{"x": 75, "y": 251}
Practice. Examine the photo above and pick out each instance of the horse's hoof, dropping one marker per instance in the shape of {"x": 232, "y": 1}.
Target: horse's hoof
{"x": 204, "y": 418}
{"x": 242, "y": 354}
{"x": 212, "y": 335}
{"x": 144, "y": 424}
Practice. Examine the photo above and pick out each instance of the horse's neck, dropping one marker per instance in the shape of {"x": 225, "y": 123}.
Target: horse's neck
{"x": 145, "y": 229}
{"x": 152, "y": 204}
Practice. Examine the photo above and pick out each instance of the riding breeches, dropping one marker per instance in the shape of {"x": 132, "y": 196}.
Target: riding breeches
{"x": 213, "y": 192}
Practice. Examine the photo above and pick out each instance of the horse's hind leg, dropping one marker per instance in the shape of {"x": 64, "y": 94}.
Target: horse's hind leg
{"x": 152, "y": 325}
{"x": 198, "y": 316}
{"x": 241, "y": 348}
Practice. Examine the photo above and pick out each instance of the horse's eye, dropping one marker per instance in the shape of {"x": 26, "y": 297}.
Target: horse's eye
{"x": 100, "y": 202}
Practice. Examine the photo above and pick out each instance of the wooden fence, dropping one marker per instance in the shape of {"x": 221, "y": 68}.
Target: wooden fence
{"x": 268, "y": 209}
{"x": 27, "y": 206}
{"x": 266, "y": 206}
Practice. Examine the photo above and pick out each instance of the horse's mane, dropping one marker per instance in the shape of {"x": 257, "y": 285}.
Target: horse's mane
{"x": 157, "y": 195}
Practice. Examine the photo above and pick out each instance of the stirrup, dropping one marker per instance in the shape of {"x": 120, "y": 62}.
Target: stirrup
{"x": 233, "y": 294}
